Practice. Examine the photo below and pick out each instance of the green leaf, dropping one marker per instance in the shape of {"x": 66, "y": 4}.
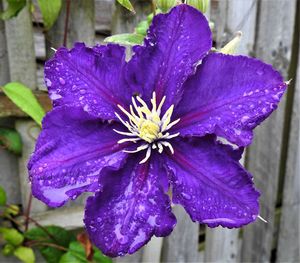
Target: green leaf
{"x": 60, "y": 236}
{"x": 23, "y": 97}
{"x": 13, "y": 8}
{"x": 12, "y": 210}
{"x": 77, "y": 250}
{"x": 50, "y": 11}
{"x": 142, "y": 27}
{"x": 126, "y": 39}
{"x": 75, "y": 254}
{"x": 99, "y": 257}
{"x": 11, "y": 140}
{"x": 127, "y": 5}
{"x": 70, "y": 258}
{"x": 25, "y": 254}
{"x": 2, "y": 196}
{"x": 50, "y": 254}
{"x": 8, "y": 249}
{"x": 12, "y": 236}
{"x": 201, "y": 5}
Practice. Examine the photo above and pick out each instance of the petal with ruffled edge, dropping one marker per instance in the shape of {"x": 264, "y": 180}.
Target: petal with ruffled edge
{"x": 229, "y": 96}
{"x": 131, "y": 208}
{"x": 174, "y": 44}
{"x": 208, "y": 181}
{"x": 71, "y": 150}
{"x": 89, "y": 77}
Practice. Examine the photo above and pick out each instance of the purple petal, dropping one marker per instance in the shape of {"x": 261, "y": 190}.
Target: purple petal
{"x": 71, "y": 150}
{"x": 210, "y": 184}
{"x": 131, "y": 208}
{"x": 229, "y": 96}
{"x": 175, "y": 42}
{"x": 89, "y": 77}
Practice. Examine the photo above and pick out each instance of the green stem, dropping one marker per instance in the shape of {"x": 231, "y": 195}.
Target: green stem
{"x": 38, "y": 243}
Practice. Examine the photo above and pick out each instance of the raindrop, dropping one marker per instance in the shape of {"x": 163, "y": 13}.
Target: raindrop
{"x": 93, "y": 229}
{"x": 62, "y": 81}
{"x": 186, "y": 196}
{"x": 259, "y": 72}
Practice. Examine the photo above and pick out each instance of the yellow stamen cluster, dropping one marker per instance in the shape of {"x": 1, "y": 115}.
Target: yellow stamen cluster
{"x": 145, "y": 124}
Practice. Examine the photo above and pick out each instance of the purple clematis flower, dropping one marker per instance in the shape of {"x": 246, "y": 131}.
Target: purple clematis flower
{"x": 130, "y": 131}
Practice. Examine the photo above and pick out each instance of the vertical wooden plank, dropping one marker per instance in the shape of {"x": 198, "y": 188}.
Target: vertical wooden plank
{"x": 20, "y": 46}
{"x": 124, "y": 21}
{"x": 104, "y": 10}
{"x": 81, "y": 26}
{"x": 273, "y": 45}
{"x": 22, "y": 67}
{"x": 241, "y": 16}
{"x": 29, "y": 131}
{"x": 4, "y": 69}
{"x": 218, "y": 15}
{"x": 137, "y": 257}
{"x": 82, "y": 22}
{"x": 221, "y": 244}
{"x": 8, "y": 161}
{"x": 182, "y": 244}
{"x": 289, "y": 235}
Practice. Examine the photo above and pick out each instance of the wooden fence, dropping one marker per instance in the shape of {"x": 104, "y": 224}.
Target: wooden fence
{"x": 270, "y": 32}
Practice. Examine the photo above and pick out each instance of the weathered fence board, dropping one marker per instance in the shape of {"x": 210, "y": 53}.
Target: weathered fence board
{"x": 8, "y": 161}
{"x": 273, "y": 45}
{"x": 81, "y": 26}
{"x": 241, "y": 16}
{"x": 29, "y": 131}
{"x": 182, "y": 244}
{"x": 104, "y": 10}
{"x": 124, "y": 21}
{"x": 289, "y": 235}
{"x": 19, "y": 37}
{"x": 22, "y": 67}
{"x": 4, "y": 69}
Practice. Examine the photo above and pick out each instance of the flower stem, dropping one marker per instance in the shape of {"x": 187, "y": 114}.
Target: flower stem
{"x": 38, "y": 243}
{"x": 68, "y": 4}
{"x": 27, "y": 213}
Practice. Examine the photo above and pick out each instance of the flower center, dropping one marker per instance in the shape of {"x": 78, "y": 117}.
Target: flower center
{"x": 149, "y": 130}
{"x": 147, "y": 125}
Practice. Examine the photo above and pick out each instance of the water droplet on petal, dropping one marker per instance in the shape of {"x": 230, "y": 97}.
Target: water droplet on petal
{"x": 62, "y": 81}
{"x": 259, "y": 72}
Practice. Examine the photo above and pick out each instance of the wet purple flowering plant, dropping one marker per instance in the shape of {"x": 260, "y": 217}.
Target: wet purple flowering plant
{"x": 133, "y": 131}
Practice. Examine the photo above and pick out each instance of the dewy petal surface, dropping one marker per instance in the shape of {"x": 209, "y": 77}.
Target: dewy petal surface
{"x": 71, "y": 150}
{"x": 208, "y": 181}
{"x": 229, "y": 96}
{"x": 175, "y": 42}
{"x": 89, "y": 77}
{"x": 131, "y": 208}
